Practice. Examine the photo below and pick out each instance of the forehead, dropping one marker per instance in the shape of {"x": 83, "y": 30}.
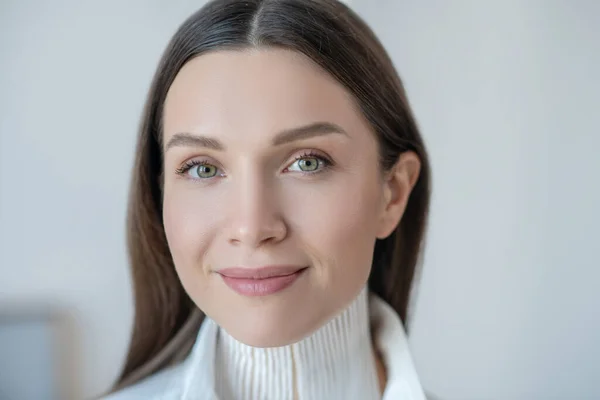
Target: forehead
{"x": 258, "y": 90}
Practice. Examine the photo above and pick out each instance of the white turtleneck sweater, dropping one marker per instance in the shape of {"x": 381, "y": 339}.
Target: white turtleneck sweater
{"x": 335, "y": 362}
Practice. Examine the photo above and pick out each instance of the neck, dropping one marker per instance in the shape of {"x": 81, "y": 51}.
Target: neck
{"x": 336, "y": 361}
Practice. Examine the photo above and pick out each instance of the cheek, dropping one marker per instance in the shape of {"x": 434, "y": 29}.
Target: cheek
{"x": 189, "y": 219}
{"x": 339, "y": 222}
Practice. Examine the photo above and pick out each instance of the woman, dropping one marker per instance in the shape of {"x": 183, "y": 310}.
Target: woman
{"x": 277, "y": 211}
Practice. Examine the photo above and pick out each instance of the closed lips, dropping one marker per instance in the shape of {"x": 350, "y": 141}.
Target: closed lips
{"x": 262, "y": 281}
{"x": 259, "y": 273}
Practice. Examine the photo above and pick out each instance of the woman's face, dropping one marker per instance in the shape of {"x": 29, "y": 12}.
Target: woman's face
{"x": 273, "y": 196}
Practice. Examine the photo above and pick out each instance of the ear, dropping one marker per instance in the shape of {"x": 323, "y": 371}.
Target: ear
{"x": 398, "y": 185}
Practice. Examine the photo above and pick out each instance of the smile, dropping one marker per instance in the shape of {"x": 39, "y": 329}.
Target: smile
{"x": 262, "y": 281}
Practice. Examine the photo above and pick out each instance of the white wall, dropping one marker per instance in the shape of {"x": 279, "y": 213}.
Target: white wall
{"x": 73, "y": 78}
{"x": 506, "y": 93}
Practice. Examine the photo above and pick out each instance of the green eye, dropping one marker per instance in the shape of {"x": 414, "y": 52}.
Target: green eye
{"x": 308, "y": 164}
{"x": 204, "y": 171}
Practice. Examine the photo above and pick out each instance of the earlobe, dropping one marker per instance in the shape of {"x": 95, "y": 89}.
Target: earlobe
{"x": 399, "y": 182}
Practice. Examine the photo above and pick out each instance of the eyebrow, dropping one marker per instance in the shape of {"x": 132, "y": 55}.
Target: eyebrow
{"x": 307, "y": 132}
{"x": 316, "y": 129}
{"x": 186, "y": 139}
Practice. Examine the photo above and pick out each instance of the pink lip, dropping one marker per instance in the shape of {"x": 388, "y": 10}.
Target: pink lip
{"x": 260, "y": 281}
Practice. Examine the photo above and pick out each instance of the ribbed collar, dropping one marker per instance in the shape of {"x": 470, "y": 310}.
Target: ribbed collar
{"x": 335, "y": 362}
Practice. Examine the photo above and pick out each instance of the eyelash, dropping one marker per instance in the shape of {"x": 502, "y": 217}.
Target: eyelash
{"x": 326, "y": 163}
{"x": 189, "y": 165}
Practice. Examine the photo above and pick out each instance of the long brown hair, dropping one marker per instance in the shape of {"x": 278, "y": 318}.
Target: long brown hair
{"x": 335, "y": 38}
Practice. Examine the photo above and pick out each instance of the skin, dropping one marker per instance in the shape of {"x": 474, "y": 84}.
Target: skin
{"x": 253, "y": 203}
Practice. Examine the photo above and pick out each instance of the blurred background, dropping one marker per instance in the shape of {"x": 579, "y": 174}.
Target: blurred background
{"x": 507, "y": 94}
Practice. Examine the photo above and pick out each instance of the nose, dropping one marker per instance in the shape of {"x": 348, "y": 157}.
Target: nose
{"x": 256, "y": 215}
